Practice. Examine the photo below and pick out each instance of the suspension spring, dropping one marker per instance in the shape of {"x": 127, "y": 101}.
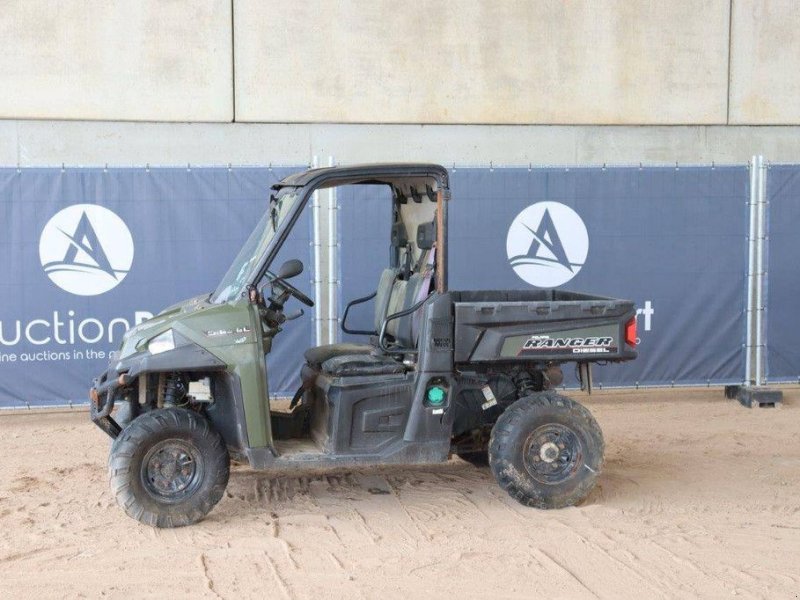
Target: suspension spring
{"x": 527, "y": 383}
{"x": 174, "y": 390}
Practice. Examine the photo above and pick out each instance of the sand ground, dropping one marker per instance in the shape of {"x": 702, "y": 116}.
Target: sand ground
{"x": 699, "y": 497}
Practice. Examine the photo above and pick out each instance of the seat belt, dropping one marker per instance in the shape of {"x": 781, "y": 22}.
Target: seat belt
{"x": 424, "y": 291}
{"x": 427, "y": 275}
{"x": 406, "y": 268}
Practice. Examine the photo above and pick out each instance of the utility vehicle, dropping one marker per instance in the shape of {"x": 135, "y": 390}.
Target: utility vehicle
{"x": 441, "y": 372}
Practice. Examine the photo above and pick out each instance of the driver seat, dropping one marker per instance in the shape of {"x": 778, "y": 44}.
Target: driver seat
{"x": 318, "y": 355}
{"x": 368, "y": 359}
{"x": 394, "y": 295}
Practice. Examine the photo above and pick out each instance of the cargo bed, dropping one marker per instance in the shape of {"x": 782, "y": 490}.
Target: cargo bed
{"x": 541, "y": 326}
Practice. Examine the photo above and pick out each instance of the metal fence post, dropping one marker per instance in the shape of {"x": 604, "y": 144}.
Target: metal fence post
{"x": 333, "y": 261}
{"x": 755, "y": 357}
{"x": 751, "y": 273}
{"x": 761, "y": 270}
{"x": 317, "y": 244}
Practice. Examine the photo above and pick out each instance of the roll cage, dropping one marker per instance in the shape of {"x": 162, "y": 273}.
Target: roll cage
{"x": 409, "y": 182}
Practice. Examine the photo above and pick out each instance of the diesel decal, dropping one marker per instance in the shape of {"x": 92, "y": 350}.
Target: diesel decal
{"x": 577, "y": 345}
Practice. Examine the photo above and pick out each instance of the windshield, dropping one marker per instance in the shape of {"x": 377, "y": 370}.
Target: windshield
{"x": 245, "y": 263}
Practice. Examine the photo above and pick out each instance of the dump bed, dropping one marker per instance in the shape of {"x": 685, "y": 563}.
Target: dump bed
{"x": 540, "y": 326}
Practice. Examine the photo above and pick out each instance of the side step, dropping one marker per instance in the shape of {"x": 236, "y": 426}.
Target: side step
{"x": 297, "y": 449}
{"x": 304, "y": 453}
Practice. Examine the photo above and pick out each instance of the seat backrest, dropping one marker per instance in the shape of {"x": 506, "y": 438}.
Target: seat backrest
{"x": 407, "y": 293}
{"x": 383, "y": 295}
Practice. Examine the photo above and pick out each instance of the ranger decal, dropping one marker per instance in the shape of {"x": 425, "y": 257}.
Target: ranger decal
{"x": 577, "y": 345}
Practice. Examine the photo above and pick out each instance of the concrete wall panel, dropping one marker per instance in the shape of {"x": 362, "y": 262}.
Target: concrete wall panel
{"x": 482, "y": 61}
{"x": 765, "y": 62}
{"x": 92, "y": 59}
{"x": 96, "y": 143}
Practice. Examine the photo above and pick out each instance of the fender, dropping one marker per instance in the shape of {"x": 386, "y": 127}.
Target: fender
{"x": 187, "y": 357}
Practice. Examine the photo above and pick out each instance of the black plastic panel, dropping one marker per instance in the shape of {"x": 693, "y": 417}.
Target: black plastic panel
{"x": 494, "y": 326}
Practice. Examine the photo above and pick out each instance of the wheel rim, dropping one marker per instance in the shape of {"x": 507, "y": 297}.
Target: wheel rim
{"x": 552, "y": 453}
{"x": 172, "y": 470}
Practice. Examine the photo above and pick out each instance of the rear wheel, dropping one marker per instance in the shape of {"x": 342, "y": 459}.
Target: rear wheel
{"x": 168, "y": 468}
{"x": 546, "y": 451}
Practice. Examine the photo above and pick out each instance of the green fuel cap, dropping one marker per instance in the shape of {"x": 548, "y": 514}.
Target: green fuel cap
{"x": 436, "y": 395}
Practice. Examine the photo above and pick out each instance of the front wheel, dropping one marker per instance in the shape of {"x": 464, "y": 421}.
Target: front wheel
{"x": 168, "y": 468}
{"x": 546, "y": 451}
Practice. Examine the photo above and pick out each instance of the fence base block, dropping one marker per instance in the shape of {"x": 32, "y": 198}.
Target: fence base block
{"x": 754, "y": 396}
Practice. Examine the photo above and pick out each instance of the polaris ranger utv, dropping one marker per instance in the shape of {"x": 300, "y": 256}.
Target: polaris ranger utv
{"x": 443, "y": 371}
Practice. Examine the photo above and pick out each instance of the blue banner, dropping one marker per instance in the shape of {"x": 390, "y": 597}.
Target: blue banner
{"x": 672, "y": 240}
{"x": 87, "y": 253}
{"x": 783, "y": 273}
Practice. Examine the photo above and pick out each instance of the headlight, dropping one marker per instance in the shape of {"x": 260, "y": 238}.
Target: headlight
{"x": 163, "y": 342}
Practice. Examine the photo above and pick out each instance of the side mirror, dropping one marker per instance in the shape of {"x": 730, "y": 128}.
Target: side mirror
{"x": 291, "y": 268}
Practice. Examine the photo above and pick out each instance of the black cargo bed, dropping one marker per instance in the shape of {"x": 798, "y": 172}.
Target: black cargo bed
{"x": 539, "y": 326}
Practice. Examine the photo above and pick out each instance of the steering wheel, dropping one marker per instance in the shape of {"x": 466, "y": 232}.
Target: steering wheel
{"x": 282, "y": 283}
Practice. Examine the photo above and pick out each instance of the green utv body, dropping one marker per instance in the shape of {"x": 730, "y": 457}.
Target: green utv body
{"x": 442, "y": 372}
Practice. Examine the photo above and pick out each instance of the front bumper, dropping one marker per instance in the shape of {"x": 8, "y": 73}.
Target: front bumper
{"x": 101, "y": 400}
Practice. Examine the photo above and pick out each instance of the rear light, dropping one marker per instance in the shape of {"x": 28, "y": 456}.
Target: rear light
{"x": 630, "y": 332}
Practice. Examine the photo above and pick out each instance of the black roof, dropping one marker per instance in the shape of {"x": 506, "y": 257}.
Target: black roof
{"x": 386, "y": 173}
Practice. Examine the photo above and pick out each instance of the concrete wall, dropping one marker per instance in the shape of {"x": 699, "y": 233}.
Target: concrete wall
{"x": 765, "y": 63}
{"x": 112, "y": 59}
{"x": 511, "y": 82}
{"x": 682, "y": 62}
{"x": 34, "y": 143}
{"x": 482, "y": 61}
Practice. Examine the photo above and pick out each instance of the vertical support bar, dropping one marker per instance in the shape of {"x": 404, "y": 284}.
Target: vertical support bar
{"x": 751, "y": 272}
{"x": 333, "y": 261}
{"x": 442, "y": 197}
{"x": 317, "y": 243}
{"x": 755, "y": 356}
{"x": 761, "y": 237}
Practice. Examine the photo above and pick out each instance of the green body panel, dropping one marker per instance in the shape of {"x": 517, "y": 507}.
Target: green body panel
{"x": 232, "y": 333}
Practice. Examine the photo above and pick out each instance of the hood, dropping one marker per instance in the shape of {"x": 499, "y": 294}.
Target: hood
{"x": 196, "y": 319}
{"x": 185, "y": 304}
{"x": 161, "y": 322}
